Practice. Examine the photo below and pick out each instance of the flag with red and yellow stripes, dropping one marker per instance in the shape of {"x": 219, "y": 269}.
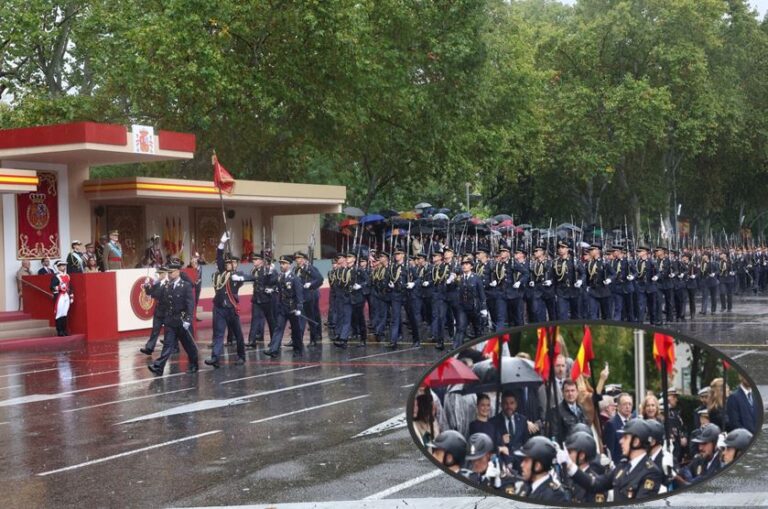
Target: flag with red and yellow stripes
{"x": 585, "y": 354}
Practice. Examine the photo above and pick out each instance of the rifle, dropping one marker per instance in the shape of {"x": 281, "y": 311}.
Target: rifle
{"x": 311, "y": 247}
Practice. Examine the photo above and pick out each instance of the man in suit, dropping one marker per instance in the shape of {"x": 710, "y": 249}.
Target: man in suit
{"x": 180, "y": 302}
{"x": 616, "y": 424}
{"x": 561, "y": 372}
{"x": 511, "y": 429}
{"x": 46, "y": 268}
{"x": 568, "y": 412}
{"x": 741, "y": 408}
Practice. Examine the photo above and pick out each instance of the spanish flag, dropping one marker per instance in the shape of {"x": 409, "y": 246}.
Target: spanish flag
{"x": 493, "y": 347}
{"x": 586, "y": 354}
{"x": 664, "y": 348}
{"x": 541, "y": 362}
{"x": 222, "y": 179}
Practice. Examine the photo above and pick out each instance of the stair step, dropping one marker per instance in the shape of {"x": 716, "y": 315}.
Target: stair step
{"x": 19, "y": 325}
{"x": 10, "y": 316}
{"x": 37, "y": 332}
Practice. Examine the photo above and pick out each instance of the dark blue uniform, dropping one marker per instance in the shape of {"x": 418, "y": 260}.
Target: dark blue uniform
{"x": 708, "y": 285}
{"x": 514, "y": 291}
{"x": 567, "y": 272}
{"x": 641, "y": 482}
{"x": 397, "y": 279}
{"x": 226, "y": 309}
{"x": 180, "y": 305}
{"x": 436, "y": 281}
{"x": 262, "y": 308}
{"x": 290, "y": 299}
{"x": 727, "y": 279}
{"x": 646, "y": 290}
{"x": 309, "y": 274}
{"x": 359, "y": 290}
{"x": 157, "y": 291}
{"x": 413, "y": 303}
{"x": 598, "y": 272}
{"x": 471, "y": 302}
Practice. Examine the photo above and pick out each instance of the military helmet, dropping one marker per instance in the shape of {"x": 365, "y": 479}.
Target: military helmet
{"x": 709, "y": 433}
{"x": 582, "y": 442}
{"x": 738, "y": 439}
{"x": 539, "y": 449}
{"x": 479, "y": 445}
{"x": 657, "y": 430}
{"x": 452, "y": 442}
{"x": 581, "y": 427}
{"x": 639, "y": 428}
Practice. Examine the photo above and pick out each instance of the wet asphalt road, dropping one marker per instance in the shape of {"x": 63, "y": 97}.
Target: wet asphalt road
{"x": 92, "y": 427}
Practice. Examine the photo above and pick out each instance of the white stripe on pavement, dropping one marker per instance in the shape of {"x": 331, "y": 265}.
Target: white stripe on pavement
{"x": 742, "y": 354}
{"x": 404, "y": 485}
{"x": 10, "y": 386}
{"x": 128, "y": 453}
{"x": 385, "y": 353}
{"x": 29, "y": 372}
{"x": 293, "y": 387}
{"x": 308, "y": 409}
{"x": 396, "y": 422}
{"x": 124, "y": 400}
{"x": 267, "y": 374}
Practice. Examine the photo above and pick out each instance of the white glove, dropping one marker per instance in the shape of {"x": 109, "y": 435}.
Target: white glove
{"x": 307, "y": 285}
{"x": 237, "y": 277}
{"x": 655, "y": 278}
{"x": 693, "y": 276}
{"x": 578, "y": 283}
{"x": 356, "y": 286}
{"x": 391, "y": 284}
{"x": 425, "y": 284}
{"x": 451, "y": 278}
{"x": 410, "y": 285}
{"x": 493, "y": 284}
{"x": 562, "y": 455}
{"x": 721, "y": 440}
{"x": 71, "y": 299}
{"x": 185, "y": 325}
{"x": 630, "y": 278}
{"x": 607, "y": 281}
{"x": 667, "y": 459}
{"x": 547, "y": 282}
{"x": 483, "y": 313}
{"x": 672, "y": 274}
{"x": 493, "y": 471}
{"x": 516, "y": 285}
{"x": 297, "y": 312}
{"x": 268, "y": 290}
{"x": 224, "y": 237}
{"x": 732, "y": 273}
{"x": 55, "y": 289}
{"x": 681, "y": 276}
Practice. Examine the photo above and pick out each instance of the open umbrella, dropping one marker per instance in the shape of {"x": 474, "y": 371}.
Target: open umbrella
{"x": 347, "y": 222}
{"x": 410, "y": 214}
{"x": 515, "y": 371}
{"x": 451, "y": 371}
{"x": 440, "y": 217}
{"x": 353, "y": 211}
{"x": 463, "y": 216}
{"x": 423, "y": 205}
{"x": 502, "y": 217}
{"x": 371, "y": 218}
{"x": 389, "y": 213}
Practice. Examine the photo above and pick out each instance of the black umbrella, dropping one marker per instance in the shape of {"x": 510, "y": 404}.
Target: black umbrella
{"x": 389, "y": 213}
{"x": 502, "y": 217}
{"x": 463, "y": 216}
{"x": 516, "y": 373}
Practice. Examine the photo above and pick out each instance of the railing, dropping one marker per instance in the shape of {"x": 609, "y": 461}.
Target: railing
{"x": 46, "y": 292}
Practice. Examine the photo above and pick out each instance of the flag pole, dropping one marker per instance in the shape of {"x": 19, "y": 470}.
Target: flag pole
{"x": 664, "y": 391}
{"x": 214, "y": 162}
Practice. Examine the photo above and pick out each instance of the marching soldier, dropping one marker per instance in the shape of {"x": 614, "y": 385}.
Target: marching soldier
{"x": 727, "y": 279}
{"x": 113, "y": 252}
{"x": 538, "y": 454}
{"x": 180, "y": 305}
{"x": 333, "y": 296}
{"x": 437, "y": 277}
{"x": 397, "y": 284}
{"x": 646, "y": 286}
{"x": 425, "y": 292}
{"x": 664, "y": 283}
{"x": 518, "y": 275}
{"x": 357, "y": 297}
{"x": 485, "y": 268}
{"x": 156, "y": 290}
{"x": 343, "y": 301}
{"x": 582, "y": 449}
{"x": 620, "y": 268}
{"x": 262, "y": 309}
{"x": 312, "y": 280}
{"x": 380, "y": 297}
{"x": 736, "y": 443}
{"x": 451, "y": 295}
{"x": 472, "y": 306}
{"x": 637, "y": 478}
{"x": 707, "y": 462}
{"x": 413, "y": 302}
{"x": 691, "y": 271}
{"x": 61, "y": 287}
{"x": 599, "y": 278}
{"x": 498, "y": 284}
{"x": 290, "y": 291}
{"x": 226, "y": 305}
{"x": 544, "y": 290}
{"x": 708, "y": 284}
{"x": 569, "y": 276}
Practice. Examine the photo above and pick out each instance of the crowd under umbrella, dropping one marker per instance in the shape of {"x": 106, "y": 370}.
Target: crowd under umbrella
{"x": 422, "y": 206}
{"x": 515, "y": 374}
{"x": 353, "y": 212}
{"x": 371, "y": 218}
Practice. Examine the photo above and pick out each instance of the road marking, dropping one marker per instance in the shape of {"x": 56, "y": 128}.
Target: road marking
{"x": 267, "y": 374}
{"x": 6, "y": 422}
{"x": 10, "y": 386}
{"x": 404, "y": 485}
{"x": 742, "y": 354}
{"x": 33, "y": 398}
{"x": 128, "y": 453}
{"x": 309, "y": 409}
{"x": 29, "y": 372}
{"x": 396, "y": 422}
{"x": 210, "y": 404}
{"x": 384, "y": 353}
{"x": 124, "y": 400}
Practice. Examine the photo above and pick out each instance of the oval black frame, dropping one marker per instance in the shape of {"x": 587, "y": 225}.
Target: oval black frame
{"x": 676, "y": 334}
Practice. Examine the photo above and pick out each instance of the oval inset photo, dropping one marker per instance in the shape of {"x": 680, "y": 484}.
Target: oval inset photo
{"x": 585, "y": 413}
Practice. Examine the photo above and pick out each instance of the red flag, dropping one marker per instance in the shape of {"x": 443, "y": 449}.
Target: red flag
{"x": 664, "y": 348}
{"x": 493, "y": 347}
{"x": 541, "y": 361}
{"x": 726, "y": 364}
{"x": 222, "y": 179}
{"x": 586, "y": 354}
